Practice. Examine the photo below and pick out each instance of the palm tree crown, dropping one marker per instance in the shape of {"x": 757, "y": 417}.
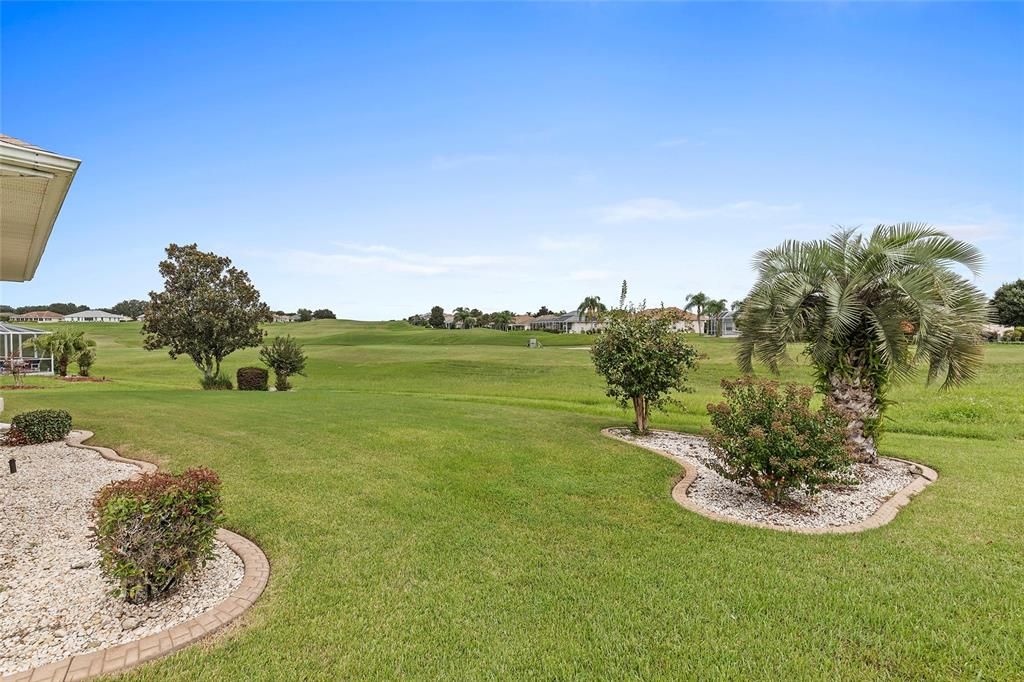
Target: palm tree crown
{"x": 591, "y": 308}
{"x": 698, "y": 300}
{"x": 870, "y": 311}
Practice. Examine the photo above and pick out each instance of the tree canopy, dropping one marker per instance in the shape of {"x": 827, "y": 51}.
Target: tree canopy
{"x": 207, "y": 310}
{"x": 870, "y": 309}
{"x": 1008, "y": 303}
{"x": 131, "y": 307}
{"x": 643, "y": 360}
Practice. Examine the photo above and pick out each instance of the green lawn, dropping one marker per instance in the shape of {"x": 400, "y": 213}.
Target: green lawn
{"x": 440, "y": 504}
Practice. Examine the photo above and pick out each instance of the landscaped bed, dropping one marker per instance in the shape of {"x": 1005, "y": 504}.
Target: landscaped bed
{"x": 833, "y": 506}
{"x": 54, "y": 602}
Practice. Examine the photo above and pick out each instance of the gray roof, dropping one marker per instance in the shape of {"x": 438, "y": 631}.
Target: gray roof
{"x": 93, "y": 313}
{"x": 7, "y": 328}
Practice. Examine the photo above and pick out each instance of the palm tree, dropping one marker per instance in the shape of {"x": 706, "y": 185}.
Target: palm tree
{"x": 591, "y": 308}
{"x": 698, "y": 301}
{"x": 63, "y": 346}
{"x": 465, "y": 316}
{"x": 502, "y": 319}
{"x": 870, "y": 310}
{"x": 715, "y": 309}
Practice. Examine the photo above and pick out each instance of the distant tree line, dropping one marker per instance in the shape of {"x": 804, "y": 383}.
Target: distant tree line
{"x": 59, "y": 308}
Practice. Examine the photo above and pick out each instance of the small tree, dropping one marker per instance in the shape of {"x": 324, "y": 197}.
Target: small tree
{"x": 132, "y": 307}
{"x": 305, "y": 314}
{"x": 697, "y": 302}
{"x": 871, "y": 310}
{"x": 207, "y": 310}
{"x": 591, "y": 309}
{"x": 1008, "y": 303}
{"x": 85, "y": 360}
{"x": 642, "y": 360}
{"x": 324, "y": 314}
{"x": 285, "y": 358}
{"x": 64, "y": 346}
{"x": 436, "y": 319}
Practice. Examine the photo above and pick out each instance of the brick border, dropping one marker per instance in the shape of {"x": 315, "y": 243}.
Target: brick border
{"x": 123, "y": 656}
{"x": 883, "y": 515}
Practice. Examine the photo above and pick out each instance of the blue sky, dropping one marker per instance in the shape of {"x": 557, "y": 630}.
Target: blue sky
{"x": 379, "y": 159}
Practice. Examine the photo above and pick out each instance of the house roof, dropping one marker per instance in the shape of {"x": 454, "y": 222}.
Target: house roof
{"x": 7, "y": 328}
{"x": 39, "y": 313}
{"x": 33, "y": 185}
{"x": 94, "y": 313}
{"x": 522, "y": 319}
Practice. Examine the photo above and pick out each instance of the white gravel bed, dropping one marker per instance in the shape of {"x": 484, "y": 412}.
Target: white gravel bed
{"x": 832, "y": 506}
{"x": 54, "y": 602}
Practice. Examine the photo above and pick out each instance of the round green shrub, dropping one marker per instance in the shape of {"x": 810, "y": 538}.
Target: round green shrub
{"x": 43, "y": 426}
{"x": 768, "y": 437}
{"x": 252, "y": 379}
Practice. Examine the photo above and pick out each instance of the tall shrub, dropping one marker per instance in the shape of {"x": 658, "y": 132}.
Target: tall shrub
{"x": 643, "y": 360}
{"x": 768, "y": 437}
{"x": 153, "y": 530}
{"x": 285, "y": 357}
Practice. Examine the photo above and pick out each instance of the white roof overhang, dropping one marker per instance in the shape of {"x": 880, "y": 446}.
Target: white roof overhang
{"x": 33, "y": 184}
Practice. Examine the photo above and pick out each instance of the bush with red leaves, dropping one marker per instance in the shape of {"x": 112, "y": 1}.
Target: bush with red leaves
{"x": 153, "y": 530}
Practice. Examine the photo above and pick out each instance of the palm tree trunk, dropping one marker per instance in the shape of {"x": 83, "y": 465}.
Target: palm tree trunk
{"x": 856, "y": 403}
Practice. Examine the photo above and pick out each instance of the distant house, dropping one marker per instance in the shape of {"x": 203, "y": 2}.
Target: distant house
{"x": 95, "y": 316}
{"x": 37, "y": 316}
{"x": 566, "y": 323}
{"x": 723, "y": 325}
{"x": 450, "y": 323}
{"x": 519, "y": 323}
{"x": 684, "y": 321}
{"x": 286, "y": 318}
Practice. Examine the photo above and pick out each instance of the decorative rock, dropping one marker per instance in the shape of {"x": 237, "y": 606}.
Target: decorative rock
{"x": 832, "y": 507}
{"x": 49, "y": 611}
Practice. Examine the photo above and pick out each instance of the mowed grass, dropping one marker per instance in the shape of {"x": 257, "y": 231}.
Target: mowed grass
{"x": 441, "y": 504}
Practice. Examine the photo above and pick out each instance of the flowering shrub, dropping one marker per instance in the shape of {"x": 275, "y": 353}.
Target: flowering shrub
{"x": 42, "y": 426}
{"x": 768, "y": 437}
{"x": 154, "y": 529}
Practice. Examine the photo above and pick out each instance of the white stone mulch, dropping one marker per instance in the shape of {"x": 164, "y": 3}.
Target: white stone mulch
{"x": 54, "y": 602}
{"x": 832, "y": 506}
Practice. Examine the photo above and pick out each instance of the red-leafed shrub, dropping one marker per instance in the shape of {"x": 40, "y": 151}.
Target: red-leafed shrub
{"x": 154, "y": 529}
{"x": 251, "y": 379}
{"x": 768, "y": 437}
{"x": 14, "y": 437}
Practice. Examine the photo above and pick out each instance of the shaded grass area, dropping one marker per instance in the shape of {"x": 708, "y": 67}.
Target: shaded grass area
{"x": 449, "y": 509}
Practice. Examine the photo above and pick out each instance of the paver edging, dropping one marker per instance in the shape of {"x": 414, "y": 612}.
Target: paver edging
{"x": 925, "y": 476}
{"x": 120, "y": 657}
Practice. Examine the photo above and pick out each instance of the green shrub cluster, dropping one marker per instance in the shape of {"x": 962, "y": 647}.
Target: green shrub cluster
{"x": 153, "y": 530}
{"x": 768, "y": 437}
{"x": 217, "y": 382}
{"x": 252, "y": 379}
{"x": 42, "y": 426}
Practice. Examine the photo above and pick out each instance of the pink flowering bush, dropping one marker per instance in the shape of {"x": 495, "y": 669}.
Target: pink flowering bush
{"x": 767, "y": 436}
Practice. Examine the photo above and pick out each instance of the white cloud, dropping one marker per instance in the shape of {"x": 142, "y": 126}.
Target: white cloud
{"x": 388, "y": 259}
{"x": 973, "y": 232}
{"x": 664, "y": 210}
{"x": 453, "y": 161}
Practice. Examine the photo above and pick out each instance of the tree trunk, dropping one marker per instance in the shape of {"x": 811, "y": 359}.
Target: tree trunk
{"x": 856, "y": 403}
{"x": 640, "y": 410}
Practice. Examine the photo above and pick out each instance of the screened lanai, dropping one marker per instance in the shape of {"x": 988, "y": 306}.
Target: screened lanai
{"x": 18, "y": 353}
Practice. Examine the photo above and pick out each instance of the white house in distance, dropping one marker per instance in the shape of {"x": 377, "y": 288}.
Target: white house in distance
{"x": 95, "y": 316}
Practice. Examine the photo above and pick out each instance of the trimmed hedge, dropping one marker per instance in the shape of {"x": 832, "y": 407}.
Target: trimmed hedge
{"x": 43, "y": 426}
{"x": 153, "y": 530}
{"x": 252, "y": 379}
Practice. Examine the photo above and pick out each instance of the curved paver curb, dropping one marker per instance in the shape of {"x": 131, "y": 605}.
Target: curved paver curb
{"x": 122, "y": 656}
{"x": 883, "y": 515}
